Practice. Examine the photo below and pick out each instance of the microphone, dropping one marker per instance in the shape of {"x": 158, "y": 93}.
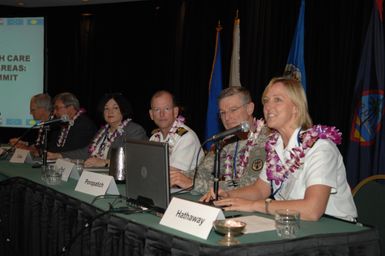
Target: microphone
{"x": 62, "y": 119}
{"x": 243, "y": 127}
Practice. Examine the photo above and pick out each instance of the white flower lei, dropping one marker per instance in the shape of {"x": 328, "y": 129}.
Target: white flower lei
{"x": 244, "y": 158}
{"x": 179, "y": 121}
{"x": 65, "y": 130}
{"x": 105, "y": 138}
{"x": 40, "y": 134}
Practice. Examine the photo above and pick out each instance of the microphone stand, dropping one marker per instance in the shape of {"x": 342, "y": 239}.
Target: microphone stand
{"x": 217, "y": 167}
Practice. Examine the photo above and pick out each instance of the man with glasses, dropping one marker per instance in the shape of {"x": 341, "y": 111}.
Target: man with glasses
{"x": 184, "y": 145}
{"x": 75, "y": 134}
{"x": 40, "y": 108}
{"x": 242, "y": 156}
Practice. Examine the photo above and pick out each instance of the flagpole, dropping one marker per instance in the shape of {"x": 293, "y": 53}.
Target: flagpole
{"x": 234, "y": 79}
{"x": 215, "y": 87}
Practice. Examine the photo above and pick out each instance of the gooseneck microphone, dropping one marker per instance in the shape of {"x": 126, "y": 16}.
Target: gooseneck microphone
{"x": 62, "y": 119}
{"x": 243, "y": 127}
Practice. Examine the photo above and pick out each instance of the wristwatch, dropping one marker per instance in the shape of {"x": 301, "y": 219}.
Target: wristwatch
{"x": 267, "y": 202}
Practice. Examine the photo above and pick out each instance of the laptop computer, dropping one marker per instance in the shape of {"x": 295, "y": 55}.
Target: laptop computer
{"x": 147, "y": 176}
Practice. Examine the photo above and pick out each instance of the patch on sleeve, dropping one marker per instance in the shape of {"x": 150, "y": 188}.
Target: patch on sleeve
{"x": 181, "y": 131}
{"x": 257, "y": 165}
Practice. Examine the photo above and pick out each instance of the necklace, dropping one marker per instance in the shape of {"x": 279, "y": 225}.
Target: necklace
{"x": 40, "y": 134}
{"x": 65, "y": 130}
{"x": 231, "y": 171}
{"x": 179, "y": 121}
{"x": 104, "y": 138}
{"x": 276, "y": 170}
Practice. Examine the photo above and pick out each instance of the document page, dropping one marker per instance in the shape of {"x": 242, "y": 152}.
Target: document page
{"x": 255, "y": 224}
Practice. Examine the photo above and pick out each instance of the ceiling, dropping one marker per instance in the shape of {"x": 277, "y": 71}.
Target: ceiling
{"x": 52, "y": 3}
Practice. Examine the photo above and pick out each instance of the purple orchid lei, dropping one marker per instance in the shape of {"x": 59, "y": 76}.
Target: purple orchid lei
{"x": 243, "y": 158}
{"x": 276, "y": 170}
{"x": 97, "y": 147}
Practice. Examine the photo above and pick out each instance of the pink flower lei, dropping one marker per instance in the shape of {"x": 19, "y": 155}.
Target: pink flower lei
{"x": 179, "y": 121}
{"x": 65, "y": 130}
{"x": 104, "y": 138}
{"x": 276, "y": 170}
{"x": 243, "y": 158}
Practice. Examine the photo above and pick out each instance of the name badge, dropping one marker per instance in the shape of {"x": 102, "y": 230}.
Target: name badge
{"x": 190, "y": 217}
{"x": 21, "y": 156}
{"x": 96, "y": 184}
{"x": 67, "y": 169}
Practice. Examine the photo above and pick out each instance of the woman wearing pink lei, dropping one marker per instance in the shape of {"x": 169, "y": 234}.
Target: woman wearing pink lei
{"x": 304, "y": 169}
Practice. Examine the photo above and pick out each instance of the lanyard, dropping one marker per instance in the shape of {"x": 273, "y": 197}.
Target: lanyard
{"x": 273, "y": 193}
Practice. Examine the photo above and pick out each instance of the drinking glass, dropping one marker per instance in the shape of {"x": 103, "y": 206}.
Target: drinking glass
{"x": 53, "y": 175}
{"x": 79, "y": 165}
{"x": 287, "y": 223}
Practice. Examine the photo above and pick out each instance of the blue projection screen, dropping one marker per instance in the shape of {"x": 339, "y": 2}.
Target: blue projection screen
{"x": 21, "y": 68}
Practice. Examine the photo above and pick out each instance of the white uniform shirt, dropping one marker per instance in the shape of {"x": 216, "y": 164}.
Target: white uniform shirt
{"x": 323, "y": 165}
{"x": 183, "y": 149}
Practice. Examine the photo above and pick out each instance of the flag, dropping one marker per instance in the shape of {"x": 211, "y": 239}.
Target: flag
{"x": 215, "y": 87}
{"x": 295, "y": 66}
{"x": 366, "y": 152}
{"x": 235, "y": 79}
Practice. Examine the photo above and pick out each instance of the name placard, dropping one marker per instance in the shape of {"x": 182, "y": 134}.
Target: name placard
{"x": 96, "y": 184}
{"x": 21, "y": 156}
{"x": 67, "y": 169}
{"x": 190, "y": 217}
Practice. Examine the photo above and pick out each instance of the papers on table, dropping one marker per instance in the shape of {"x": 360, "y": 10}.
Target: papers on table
{"x": 255, "y": 224}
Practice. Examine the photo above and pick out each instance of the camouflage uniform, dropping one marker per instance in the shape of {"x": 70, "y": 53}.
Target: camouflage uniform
{"x": 204, "y": 176}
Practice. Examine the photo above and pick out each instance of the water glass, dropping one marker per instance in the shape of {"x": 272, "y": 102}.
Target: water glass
{"x": 79, "y": 165}
{"x": 53, "y": 175}
{"x": 287, "y": 223}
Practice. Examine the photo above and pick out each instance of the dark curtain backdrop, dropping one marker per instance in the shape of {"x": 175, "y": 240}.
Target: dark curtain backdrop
{"x": 140, "y": 47}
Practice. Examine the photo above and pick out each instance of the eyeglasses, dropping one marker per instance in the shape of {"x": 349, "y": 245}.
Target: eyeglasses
{"x": 59, "y": 107}
{"x": 223, "y": 114}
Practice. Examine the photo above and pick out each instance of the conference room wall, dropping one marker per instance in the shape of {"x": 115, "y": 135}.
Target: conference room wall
{"x": 140, "y": 47}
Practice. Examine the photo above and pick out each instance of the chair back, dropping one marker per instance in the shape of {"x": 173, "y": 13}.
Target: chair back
{"x": 369, "y": 197}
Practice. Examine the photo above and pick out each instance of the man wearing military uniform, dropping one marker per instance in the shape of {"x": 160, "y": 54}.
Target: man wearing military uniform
{"x": 242, "y": 156}
{"x": 183, "y": 143}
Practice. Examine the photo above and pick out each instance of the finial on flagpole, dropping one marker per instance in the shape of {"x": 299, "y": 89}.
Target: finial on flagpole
{"x": 219, "y": 27}
{"x": 237, "y": 20}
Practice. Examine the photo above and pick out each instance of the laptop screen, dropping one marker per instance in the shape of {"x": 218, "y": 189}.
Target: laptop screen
{"x": 147, "y": 176}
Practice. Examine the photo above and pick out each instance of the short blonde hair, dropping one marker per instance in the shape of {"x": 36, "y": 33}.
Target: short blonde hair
{"x": 297, "y": 95}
